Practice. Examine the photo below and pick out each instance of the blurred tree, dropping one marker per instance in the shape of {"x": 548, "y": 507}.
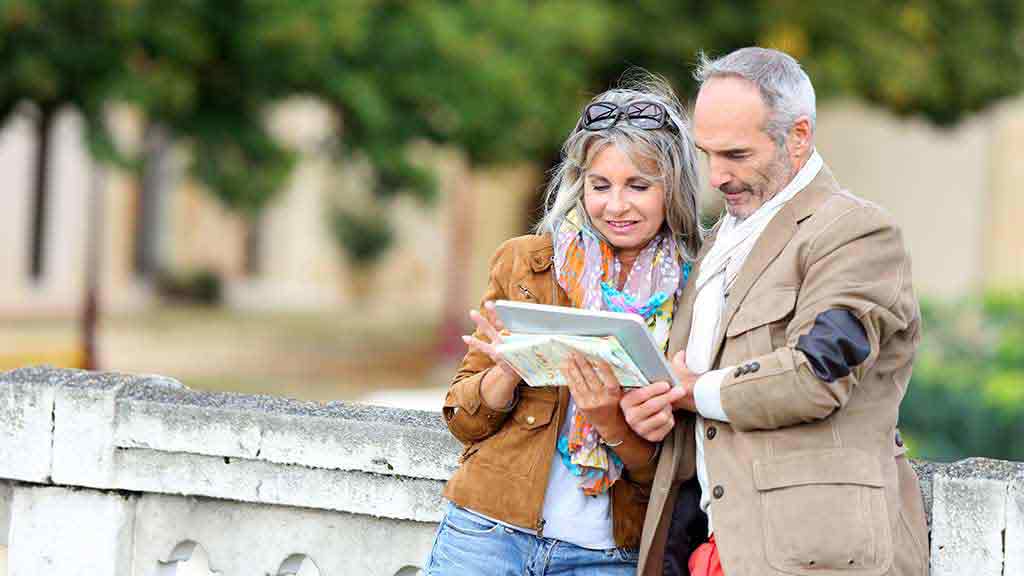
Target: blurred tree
{"x": 966, "y": 397}
{"x": 501, "y": 81}
{"x": 208, "y": 72}
{"x": 60, "y": 54}
{"x": 939, "y": 58}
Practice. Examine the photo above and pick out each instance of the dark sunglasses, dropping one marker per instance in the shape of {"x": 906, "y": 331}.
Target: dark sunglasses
{"x": 641, "y": 114}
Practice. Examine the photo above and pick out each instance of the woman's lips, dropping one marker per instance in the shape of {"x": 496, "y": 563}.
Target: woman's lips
{"x": 621, "y": 225}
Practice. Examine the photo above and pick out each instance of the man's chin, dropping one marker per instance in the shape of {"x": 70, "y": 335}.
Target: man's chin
{"x": 738, "y": 211}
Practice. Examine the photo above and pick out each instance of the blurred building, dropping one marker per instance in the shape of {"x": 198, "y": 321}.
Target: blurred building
{"x": 953, "y": 191}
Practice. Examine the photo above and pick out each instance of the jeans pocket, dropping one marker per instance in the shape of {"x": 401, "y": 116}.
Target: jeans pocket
{"x": 468, "y": 524}
{"x": 630, "y": 555}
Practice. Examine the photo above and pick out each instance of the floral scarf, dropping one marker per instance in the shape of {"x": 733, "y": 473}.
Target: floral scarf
{"x": 587, "y": 269}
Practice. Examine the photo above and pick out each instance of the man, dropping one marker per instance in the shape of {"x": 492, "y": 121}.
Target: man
{"x": 794, "y": 345}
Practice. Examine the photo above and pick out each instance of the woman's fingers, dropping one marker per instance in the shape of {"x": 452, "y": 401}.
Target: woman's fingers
{"x": 492, "y": 316}
{"x": 610, "y": 381}
{"x": 485, "y": 348}
{"x": 484, "y": 326}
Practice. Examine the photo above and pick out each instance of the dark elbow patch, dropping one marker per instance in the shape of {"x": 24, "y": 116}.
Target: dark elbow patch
{"x": 836, "y": 344}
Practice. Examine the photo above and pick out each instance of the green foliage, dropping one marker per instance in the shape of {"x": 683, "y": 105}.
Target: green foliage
{"x": 500, "y": 80}
{"x": 58, "y": 53}
{"x": 364, "y": 238}
{"x": 939, "y": 58}
{"x": 966, "y": 397}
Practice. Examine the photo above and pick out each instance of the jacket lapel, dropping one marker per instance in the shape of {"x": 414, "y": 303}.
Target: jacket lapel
{"x": 773, "y": 240}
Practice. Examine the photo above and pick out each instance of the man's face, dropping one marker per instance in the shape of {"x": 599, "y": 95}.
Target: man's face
{"x": 743, "y": 161}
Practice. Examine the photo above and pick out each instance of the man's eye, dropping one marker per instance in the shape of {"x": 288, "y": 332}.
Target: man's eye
{"x": 736, "y": 155}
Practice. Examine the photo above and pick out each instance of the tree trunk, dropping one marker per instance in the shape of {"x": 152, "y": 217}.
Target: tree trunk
{"x": 252, "y": 259}
{"x": 47, "y": 115}
{"x": 93, "y": 261}
{"x": 460, "y": 251}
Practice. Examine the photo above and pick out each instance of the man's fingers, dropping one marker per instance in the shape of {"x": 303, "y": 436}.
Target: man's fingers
{"x": 656, "y": 426}
{"x": 641, "y": 395}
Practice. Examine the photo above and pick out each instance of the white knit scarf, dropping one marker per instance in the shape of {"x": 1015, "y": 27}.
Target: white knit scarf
{"x": 720, "y": 267}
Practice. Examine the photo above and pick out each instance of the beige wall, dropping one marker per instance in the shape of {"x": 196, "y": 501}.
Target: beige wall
{"x": 1004, "y": 238}
{"x": 934, "y": 181}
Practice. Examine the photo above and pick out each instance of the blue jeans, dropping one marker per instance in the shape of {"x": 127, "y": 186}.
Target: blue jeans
{"x": 469, "y": 545}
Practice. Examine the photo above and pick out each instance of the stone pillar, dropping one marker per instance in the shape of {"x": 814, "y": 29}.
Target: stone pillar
{"x": 68, "y": 532}
{"x": 978, "y": 519}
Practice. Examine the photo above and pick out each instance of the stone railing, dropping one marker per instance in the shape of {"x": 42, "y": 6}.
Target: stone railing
{"x": 117, "y": 475}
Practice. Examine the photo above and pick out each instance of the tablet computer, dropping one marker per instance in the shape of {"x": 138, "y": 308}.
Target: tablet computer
{"x": 630, "y": 330}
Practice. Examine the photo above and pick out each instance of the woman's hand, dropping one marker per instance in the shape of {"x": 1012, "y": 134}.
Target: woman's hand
{"x": 499, "y": 383}
{"x": 597, "y": 392}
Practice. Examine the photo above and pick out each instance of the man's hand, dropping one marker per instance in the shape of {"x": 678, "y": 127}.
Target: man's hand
{"x": 648, "y": 410}
{"x": 687, "y": 381}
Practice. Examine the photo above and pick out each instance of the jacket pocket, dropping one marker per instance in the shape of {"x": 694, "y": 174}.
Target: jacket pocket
{"x": 517, "y": 448}
{"x": 824, "y": 512}
{"x": 760, "y": 324}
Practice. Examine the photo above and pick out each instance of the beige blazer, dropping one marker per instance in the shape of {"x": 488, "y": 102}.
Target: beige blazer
{"x": 809, "y": 476}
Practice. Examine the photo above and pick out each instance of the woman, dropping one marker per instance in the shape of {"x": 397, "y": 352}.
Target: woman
{"x": 553, "y": 480}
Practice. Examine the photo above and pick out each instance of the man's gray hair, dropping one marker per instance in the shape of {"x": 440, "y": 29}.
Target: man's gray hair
{"x": 785, "y": 88}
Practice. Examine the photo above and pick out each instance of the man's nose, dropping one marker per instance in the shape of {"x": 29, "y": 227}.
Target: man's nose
{"x": 718, "y": 174}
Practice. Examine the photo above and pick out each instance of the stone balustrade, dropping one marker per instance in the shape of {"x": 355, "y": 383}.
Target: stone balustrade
{"x": 107, "y": 474}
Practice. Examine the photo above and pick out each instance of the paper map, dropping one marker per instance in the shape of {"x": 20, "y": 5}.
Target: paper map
{"x": 538, "y": 358}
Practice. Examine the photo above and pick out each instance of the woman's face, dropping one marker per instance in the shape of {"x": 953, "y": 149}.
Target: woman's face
{"x": 627, "y": 207}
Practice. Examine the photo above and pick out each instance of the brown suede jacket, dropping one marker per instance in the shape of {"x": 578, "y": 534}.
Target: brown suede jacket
{"x": 507, "y": 458}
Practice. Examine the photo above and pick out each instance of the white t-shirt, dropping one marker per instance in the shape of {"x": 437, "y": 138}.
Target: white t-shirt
{"x": 570, "y": 515}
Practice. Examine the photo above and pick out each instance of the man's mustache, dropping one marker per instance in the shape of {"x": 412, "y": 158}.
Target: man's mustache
{"x": 735, "y": 188}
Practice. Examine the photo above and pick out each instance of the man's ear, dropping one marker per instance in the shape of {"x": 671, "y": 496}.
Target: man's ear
{"x": 800, "y": 138}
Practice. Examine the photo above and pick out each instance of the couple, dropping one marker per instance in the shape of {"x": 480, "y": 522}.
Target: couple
{"x": 792, "y": 329}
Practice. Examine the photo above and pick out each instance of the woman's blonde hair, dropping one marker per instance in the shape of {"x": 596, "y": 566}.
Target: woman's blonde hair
{"x": 670, "y": 148}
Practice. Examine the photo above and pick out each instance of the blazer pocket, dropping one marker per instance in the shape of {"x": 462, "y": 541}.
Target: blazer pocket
{"x": 761, "y": 322}
{"x": 824, "y": 512}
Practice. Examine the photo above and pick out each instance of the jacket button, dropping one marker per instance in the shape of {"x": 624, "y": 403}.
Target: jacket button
{"x": 712, "y": 431}
{"x": 718, "y": 492}
{"x": 530, "y": 419}
{"x": 755, "y": 366}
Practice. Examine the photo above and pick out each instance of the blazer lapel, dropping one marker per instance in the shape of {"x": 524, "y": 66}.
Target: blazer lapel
{"x": 773, "y": 240}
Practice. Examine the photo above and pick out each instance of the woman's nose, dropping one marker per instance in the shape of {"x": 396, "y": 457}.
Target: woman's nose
{"x": 617, "y": 203}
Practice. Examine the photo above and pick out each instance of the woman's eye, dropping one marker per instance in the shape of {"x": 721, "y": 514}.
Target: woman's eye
{"x": 601, "y": 188}
{"x": 640, "y": 187}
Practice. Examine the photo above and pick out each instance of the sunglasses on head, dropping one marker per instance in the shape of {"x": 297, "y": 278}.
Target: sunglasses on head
{"x": 642, "y": 114}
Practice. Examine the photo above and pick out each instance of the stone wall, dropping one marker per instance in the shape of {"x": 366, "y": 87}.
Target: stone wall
{"x": 116, "y": 475}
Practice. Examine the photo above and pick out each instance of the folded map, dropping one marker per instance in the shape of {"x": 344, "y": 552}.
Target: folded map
{"x": 538, "y": 358}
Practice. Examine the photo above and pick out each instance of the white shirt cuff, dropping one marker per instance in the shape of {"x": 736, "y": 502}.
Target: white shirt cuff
{"x": 707, "y": 394}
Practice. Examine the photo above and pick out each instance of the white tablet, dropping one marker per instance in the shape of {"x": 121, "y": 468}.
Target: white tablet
{"x": 629, "y": 329}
